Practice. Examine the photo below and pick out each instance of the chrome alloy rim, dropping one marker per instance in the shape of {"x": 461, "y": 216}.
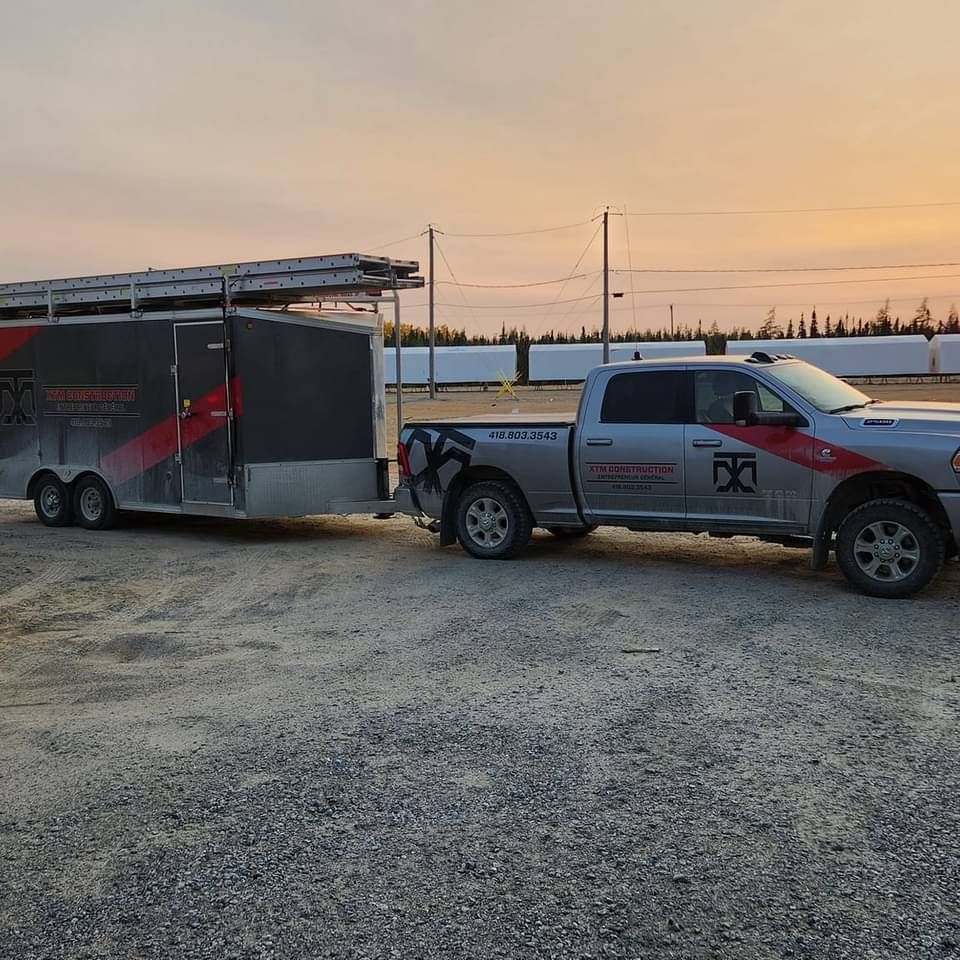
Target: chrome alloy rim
{"x": 886, "y": 551}
{"x": 91, "y": 504}
{"x": 487, "y": 522}
{"x": 51, "y": 503}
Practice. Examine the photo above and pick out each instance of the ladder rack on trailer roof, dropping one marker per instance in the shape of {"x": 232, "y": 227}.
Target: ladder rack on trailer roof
{"x": 261, "y": 283}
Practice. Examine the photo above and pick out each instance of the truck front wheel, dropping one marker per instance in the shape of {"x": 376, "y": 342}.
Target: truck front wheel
{"x": 493, "y": 522}
{"x": 889, "y": 548}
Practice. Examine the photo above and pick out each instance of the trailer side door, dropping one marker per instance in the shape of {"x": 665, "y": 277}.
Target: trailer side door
{"x": 203, "y": 401}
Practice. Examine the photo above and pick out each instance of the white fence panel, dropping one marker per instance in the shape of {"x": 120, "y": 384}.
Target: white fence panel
{"x": 475, "y": 364}
{"x": 414, "y": 361}
{"x": 481, "y": 364}
{"x": 554, "y": 362}
{"x": 849, "y": 356}
{"x": 945, "y": 353}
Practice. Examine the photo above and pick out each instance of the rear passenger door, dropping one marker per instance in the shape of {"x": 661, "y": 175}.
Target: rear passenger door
{"x": 756, "y": 476}
{"x": 630, "y": 444}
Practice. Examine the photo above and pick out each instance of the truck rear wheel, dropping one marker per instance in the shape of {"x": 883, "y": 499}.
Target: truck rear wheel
{"x": 889, "y": 548}
{"x": 51, "y": 500}
{"x": 93, "y": 504}
{"x": 493, "y": 522}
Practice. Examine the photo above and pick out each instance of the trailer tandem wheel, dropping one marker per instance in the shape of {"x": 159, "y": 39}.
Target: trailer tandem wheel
{"x": 93, "y": 504}
{"x": 52, "y": 501}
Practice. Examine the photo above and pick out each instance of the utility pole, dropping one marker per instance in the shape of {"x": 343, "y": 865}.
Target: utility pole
{"x": 433, "y": 370}
{"x": 671, "y": 321}
{"x": 606, "y": 289}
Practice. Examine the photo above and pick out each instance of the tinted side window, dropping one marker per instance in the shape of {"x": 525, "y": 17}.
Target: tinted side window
{"x": 646, "y": 397}
{"x": 713, "y": 395}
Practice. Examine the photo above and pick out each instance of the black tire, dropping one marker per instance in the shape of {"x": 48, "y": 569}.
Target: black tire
{"x": 572, "y": 533}
{"x": 889, "y": 548}
{"x": 493, "y": 522}
{"x": 52, "y": 501}
{"x": 93, "y": 504}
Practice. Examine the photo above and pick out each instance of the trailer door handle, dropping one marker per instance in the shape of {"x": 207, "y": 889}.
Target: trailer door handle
{"x": 708, "y": 443}
{"x": 599, "y": 442}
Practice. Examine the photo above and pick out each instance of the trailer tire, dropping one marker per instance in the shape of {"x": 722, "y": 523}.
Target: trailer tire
{"x": 93, "y": 504}
{"x": 889, "y": 548}
{"x": 572, "y": 533}
{"x": 493, "y": 522}
{"x": 52, "y": 501}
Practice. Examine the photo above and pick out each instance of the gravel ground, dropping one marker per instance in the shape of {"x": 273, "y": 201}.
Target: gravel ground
{"x": 332, "y": 738}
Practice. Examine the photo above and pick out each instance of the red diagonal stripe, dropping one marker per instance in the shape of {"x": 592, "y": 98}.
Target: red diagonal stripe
{"x": 13, "y": 338}
{"x": 797, "y": 447}
{"x": 160, "y": 442}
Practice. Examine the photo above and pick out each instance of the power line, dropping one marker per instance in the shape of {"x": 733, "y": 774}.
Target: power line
{"x": 392, "y": 243}
{"x": 450, "y": 270}
{"x": 743, "y": 286}
{"x": 517, "y": 233}
{"x": 741, "y": 306}
{"x": 573, "y": 272}
{"x": 879, "y": 266}
{"x": 746, "y": 213}
{"x": 514, "y": 286}
{"x": 798, "y": 283}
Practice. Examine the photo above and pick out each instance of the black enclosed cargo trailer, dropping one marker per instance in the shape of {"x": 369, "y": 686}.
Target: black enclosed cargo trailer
{"x": 190, "y": 392}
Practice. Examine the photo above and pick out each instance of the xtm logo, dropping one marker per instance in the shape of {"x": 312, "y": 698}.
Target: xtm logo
{"x": 735, "y": 465}
{"x": 15, "y": 387}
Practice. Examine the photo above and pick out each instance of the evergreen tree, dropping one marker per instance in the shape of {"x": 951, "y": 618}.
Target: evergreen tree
{"x": 802, "y": 329}
{"x": 770, "y": 329}
{"x": 790, "y": 329}
{"x": 882, "y": 325}
{"x": 827, "y": 328}
{"x": 922, "y": 321}
{"x": 953, "y": 320}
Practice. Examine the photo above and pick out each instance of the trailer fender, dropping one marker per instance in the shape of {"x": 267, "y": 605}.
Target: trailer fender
{"x": 67, "y": 474}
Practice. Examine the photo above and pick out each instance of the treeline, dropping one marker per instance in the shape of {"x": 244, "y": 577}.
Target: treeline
{"x": 882, "y": 324}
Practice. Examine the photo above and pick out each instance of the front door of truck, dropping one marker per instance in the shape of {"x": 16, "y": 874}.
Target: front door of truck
{"x": 759, "y": 476}
{"x": 203, "y": 403}
{"x": 630, "y": 455}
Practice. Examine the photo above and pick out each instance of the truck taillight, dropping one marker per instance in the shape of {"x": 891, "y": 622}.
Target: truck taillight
{"x": 956, "y": 461}
{"x": 403, "y": 461}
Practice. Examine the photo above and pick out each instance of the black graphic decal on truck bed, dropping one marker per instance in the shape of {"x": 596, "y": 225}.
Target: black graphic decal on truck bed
{"x": 438, "y": 454}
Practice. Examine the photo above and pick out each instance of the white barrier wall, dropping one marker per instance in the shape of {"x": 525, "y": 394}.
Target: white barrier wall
{"x": 849, "y": 356}
{"x": 553, "y": 362}
{"x": 483, "y": 364}
{"x": 415, "y": 364}
{"x": 475, "y": 364}
{"x": 945, "y": 353}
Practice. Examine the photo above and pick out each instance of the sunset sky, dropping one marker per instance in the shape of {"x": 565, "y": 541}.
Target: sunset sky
{"x": 174, "y": 134}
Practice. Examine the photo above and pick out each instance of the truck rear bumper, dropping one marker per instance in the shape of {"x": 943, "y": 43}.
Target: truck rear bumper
{"x": 951, "y": 504}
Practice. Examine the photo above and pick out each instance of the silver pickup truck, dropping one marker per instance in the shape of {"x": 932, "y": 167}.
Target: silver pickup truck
{"x": 764, "y": 445}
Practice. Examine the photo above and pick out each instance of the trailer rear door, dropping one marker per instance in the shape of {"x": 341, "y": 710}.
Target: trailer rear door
{"x": 203, "y": 403}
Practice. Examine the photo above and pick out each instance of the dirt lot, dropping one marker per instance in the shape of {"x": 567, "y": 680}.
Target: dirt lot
{"x": 330, "y": 737}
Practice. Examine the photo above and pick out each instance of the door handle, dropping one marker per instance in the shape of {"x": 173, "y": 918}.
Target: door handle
{"x": 599, "y": 442}
{"x": 708, "y": 443}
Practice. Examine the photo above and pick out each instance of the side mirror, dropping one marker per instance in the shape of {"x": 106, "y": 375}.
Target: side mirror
{"x": 745, "y": 413}
{"x": 745, "y": 408}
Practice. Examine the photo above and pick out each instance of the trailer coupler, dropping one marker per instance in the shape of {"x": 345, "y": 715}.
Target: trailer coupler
{"x": 432, "y": 526}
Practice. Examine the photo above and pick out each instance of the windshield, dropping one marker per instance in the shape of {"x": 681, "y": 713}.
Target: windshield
{"x": 816, "y": 386}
